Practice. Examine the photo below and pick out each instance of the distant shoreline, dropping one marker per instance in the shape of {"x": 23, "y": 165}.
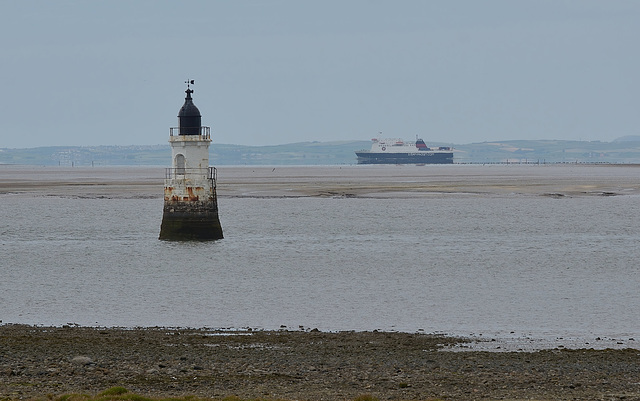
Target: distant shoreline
{"x": 330, "y": 153}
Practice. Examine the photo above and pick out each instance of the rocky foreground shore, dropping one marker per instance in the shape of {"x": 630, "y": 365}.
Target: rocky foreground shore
{"x": 36, "y": 362}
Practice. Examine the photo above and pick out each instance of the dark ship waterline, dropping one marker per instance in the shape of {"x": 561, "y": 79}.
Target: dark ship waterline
{"x": 397, "y": 151}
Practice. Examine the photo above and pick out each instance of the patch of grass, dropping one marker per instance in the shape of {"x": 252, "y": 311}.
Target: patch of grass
{"x": 74, "y": 397}
{"x": 114, "y": 391}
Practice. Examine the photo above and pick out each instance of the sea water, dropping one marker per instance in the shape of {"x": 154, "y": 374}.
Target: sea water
{"x": 530, "y": 266}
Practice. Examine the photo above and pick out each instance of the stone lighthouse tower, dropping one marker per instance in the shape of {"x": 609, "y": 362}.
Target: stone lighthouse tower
{"x": 190, "y": 203}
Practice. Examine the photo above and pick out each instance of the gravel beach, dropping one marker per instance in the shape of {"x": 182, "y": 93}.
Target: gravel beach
{"x": 302, "y": 364}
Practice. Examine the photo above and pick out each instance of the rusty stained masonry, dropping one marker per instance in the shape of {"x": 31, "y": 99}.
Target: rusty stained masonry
{"x": 193, "y": 194}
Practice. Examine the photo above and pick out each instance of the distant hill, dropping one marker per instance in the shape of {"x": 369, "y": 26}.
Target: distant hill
{"x": 550, "y": 151}
{"x": 88, "y": 155}
{"x": 622, "y": 150}
{"x": 628, "y": 138}
{"x": 301, "y": 153}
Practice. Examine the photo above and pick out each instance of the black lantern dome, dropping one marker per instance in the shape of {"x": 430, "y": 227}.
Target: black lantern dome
{"x": 189, "y": 118}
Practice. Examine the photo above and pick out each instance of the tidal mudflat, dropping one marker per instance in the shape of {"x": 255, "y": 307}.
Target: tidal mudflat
{"x": 556, "y": 180}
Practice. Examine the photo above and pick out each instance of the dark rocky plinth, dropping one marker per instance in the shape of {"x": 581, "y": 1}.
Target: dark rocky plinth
{"x": 190, "y": 221}
{"x": 304, "y": 365}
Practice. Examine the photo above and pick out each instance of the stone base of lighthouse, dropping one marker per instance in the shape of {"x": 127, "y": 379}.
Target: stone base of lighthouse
{"x": 190, "y": 211}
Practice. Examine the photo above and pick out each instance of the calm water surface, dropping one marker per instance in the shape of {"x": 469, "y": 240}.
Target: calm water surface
{"x": 532, "y": 265}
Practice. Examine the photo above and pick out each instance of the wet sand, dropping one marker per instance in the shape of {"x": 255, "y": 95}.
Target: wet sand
{"x": 334, "y": 181}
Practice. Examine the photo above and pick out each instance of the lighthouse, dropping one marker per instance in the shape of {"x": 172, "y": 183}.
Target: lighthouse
{"x": 190, "y": 203}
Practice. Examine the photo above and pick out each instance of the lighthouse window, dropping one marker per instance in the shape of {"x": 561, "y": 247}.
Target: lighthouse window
{"x": 180, "y": 164}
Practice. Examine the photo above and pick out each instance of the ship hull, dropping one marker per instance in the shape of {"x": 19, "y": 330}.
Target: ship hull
{"x": 405, "y": 158}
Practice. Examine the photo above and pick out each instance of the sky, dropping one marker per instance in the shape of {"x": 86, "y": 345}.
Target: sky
{"x": 268, "y": 72}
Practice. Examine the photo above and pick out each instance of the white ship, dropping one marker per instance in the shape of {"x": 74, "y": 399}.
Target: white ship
{"x": 397, "y": 151}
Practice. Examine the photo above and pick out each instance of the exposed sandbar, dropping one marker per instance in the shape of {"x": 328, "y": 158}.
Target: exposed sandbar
{"x": 334, "y": 181}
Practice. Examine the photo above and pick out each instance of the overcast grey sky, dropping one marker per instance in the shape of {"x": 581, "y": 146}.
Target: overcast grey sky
{"x": 269, "y": 72}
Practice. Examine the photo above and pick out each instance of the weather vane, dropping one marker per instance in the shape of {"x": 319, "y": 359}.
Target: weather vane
{"x": 189, "y": 82}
